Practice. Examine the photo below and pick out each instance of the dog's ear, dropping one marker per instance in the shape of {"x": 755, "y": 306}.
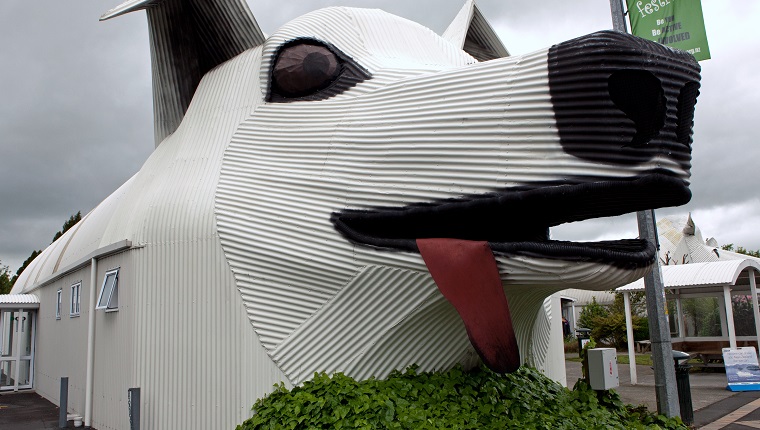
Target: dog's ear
{"x": 188, "y": 38}
{"x": 471, "y": 32}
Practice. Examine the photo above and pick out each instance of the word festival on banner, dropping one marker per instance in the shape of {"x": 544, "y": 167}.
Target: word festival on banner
{"x": 675, "y": 23}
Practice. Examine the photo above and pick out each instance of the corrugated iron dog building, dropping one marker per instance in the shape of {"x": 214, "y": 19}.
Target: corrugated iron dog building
{"x": 352, "y": 193}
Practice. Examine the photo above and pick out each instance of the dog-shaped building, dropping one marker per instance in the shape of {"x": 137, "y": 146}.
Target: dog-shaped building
{"x": 352, "y": 193}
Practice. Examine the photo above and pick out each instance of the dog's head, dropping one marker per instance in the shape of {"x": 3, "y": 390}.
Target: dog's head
{"x": 378, "y": 147}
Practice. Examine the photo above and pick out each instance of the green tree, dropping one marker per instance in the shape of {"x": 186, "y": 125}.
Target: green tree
{"x": 741, "y": 250}
{"x": 5, "y": 280}
{"x": 591, "y": 313}
{"x": 71, "y": 222}
{"x": 26, "y": 262}
{"x": 607, "y": 323}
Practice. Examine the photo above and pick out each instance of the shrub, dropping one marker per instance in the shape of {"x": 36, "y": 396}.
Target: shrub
{"x": 456, "y": 399}
{"x": 591, "y": 313}
{"x": 607, "y": 323}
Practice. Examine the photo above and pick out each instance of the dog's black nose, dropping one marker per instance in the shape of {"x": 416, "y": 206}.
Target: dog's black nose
{"x": 620, "y": 99}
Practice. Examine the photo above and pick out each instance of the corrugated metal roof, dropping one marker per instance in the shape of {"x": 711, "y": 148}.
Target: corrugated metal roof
{"x": 19, "y": 299}
{"x": 584, "y": 297}
{"x": 701, "y": 274}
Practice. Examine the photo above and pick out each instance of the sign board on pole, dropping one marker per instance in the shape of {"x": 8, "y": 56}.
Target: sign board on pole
{"x": 675, "y": 23}
{"x": 742, "y": 370}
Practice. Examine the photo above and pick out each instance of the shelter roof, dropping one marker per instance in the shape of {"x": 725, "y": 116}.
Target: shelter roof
{"x": 584, "y": 297}
{"x": 700, "y": 275}
{"x": 19, "y": 301}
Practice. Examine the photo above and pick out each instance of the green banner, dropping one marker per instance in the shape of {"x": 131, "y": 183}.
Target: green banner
{"x": 675, "y": 23}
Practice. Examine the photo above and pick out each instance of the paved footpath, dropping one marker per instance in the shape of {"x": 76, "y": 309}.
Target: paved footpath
{"x": 27, "y": 411}
{"x": 714, "y": 407}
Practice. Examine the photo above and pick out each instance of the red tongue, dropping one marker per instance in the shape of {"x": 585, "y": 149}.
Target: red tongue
{"x": 466, "y": 274}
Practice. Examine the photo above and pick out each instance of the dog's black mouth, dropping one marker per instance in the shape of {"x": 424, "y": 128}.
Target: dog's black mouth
{"x": 517, "y": 221}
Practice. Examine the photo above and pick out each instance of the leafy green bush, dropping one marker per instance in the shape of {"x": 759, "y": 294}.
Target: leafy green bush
{"x": 607, "y": 323}
{"x": 457, "y": 399}
{"x": 591, "y": 313}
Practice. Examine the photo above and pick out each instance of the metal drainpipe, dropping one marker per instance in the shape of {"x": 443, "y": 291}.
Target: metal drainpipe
{"x": 90, "y": 343}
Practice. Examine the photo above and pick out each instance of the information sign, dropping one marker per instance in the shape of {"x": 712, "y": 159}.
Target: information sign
{"x": 742, "y": 370}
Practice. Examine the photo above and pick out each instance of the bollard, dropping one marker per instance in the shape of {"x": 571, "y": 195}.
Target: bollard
{"x": 133, "y": 404}
{"x": 684, "y": 386}
{"x": 63, "y": 404}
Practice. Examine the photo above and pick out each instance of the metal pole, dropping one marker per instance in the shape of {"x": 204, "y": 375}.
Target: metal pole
{"x": 679, "y": 314}
{"x": 629, "y": 334}
{"x": 755, "y": 308}
{"x": 659, "y": 329}
{"x": 90, "y": 343}
{"x": 17, "y": 347}
{"x": 64, "y": 404}
{"x": 618, "y": 16}
{"x": 729, "y": 316}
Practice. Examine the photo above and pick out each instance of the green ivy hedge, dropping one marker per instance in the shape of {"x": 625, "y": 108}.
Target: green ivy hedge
{"x": 456, "y": 399}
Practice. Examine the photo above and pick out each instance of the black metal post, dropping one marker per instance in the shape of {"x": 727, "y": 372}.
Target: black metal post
{"x": 684, "y": 386}
{"x": 64, "y": 404}
{"x": 133, "y": 396}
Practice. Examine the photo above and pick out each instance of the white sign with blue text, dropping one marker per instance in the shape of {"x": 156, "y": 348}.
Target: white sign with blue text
{"x": 742, "y": 370}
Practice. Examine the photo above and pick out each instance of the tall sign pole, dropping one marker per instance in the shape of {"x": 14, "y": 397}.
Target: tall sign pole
{"x": 659, "y": 329}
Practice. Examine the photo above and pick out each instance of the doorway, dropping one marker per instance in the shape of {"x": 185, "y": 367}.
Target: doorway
{"x": 17, "y": 336}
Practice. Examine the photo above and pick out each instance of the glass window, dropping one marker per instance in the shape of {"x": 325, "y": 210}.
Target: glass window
{"x": 109, "y": 292}
{"x": 76, "y": 290}
{"x": 744, "y": 315}
{"x": 701, "y": 316}
{"x": 673, "y": 316}
{"x": 59, "y": 302}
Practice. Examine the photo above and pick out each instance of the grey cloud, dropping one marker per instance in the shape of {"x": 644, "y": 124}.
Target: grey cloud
{"x": 76, "y": 121}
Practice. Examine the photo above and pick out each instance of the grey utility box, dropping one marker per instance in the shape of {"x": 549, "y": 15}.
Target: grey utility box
{"x": 602, "y": 368}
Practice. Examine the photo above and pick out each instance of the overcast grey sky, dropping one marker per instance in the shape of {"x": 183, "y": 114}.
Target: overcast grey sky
{"x": 76, "y": 121}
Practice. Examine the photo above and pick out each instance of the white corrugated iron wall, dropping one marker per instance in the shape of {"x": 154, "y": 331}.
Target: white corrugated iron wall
{"x": 114, "y": 346}
{"x": 197, "y": 360}
{"x": 181, "y": 333}
{"x": 61, "y": 345}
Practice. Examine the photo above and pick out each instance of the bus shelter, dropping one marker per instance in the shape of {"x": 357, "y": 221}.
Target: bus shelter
{"x": 710, "y": 306}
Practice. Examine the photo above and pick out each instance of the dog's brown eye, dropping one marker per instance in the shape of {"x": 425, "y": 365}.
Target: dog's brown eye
{"x": 304, "y": 69}
{"x": 311, "y": 70}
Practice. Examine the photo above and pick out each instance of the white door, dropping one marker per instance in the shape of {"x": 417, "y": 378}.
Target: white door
{"x": 17, "y": 331}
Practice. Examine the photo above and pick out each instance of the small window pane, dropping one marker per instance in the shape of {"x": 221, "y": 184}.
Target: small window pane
{"x": 75, "y": 299}
{"x": 109, "y": 293}
{"x": 59, "y": 302}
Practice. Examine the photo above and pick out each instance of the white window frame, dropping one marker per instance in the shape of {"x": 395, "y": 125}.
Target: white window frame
{"x": 109, "y": 300}
{"x": 58, "y": 303}
{"x": 76, "y": 299}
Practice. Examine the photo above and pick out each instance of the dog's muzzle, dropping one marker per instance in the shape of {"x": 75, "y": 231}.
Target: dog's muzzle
{"x": 619, "y": 101}
{"x": 622, "y": 100}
